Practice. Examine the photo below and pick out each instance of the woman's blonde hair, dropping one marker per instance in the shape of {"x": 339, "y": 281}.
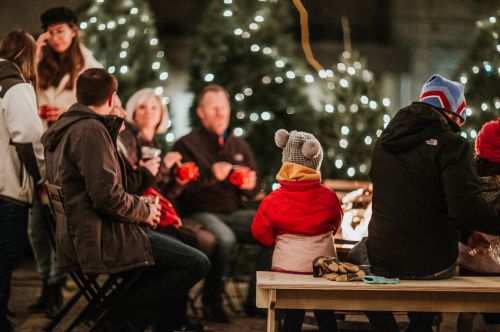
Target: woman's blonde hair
{"x": 140, "y": 97}
{"x": 19, "y": 47}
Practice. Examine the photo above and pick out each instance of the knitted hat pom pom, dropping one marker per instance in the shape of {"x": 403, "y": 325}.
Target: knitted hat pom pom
{"x": 281, "y": 138}
{"x": 311, "y": 149}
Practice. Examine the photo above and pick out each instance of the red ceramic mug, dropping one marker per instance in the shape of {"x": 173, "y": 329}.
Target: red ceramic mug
{"x": 187, "y": 171}
{"x": 239, "y": 175}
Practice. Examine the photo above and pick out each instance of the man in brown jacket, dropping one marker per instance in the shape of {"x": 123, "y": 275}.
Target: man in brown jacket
{"x": 108, "y": 230}
{"x": 213, "y": 201}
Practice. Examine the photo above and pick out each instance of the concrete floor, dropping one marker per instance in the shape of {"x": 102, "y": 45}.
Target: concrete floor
{"x": 26, "y": 287}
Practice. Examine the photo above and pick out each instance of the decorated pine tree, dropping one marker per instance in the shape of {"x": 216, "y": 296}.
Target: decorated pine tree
{"x": 353, "y": 116}
{"x": 122, "y": 36}
{"x": 480, "y": 73}
{"x": 246, "y": 47}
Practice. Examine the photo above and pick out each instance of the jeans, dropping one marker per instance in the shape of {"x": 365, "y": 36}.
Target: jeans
{"x": 45, "y": 256}
{"x": 229, "y": 229}
{"x": 384, "y": 321}
{"x": 294, "y": 318}
{"x": 13, "y": 224}
{"x": 162, "y": 289}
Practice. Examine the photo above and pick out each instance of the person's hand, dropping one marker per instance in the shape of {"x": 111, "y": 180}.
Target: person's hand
{"x": 181, "y": 182}
{"x": 172, "y": 158}
{"x": 154, "y": 215}
{"x": 53, "y": 113}
{"x": 479, "y": 242}
{"x": 152, "y": 165}
{"x": 250, "y": 182}
{"x": 178, "y": 224}
{"x": 221, "y": 170}
{"x": 40, "y": 43}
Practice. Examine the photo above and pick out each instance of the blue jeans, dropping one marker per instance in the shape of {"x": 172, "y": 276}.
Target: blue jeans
{"x": 45, "y": 256}
{"x": 13, "y": 225}
{"x": 384, "y": 321}
{"x": 163, "y": 288}
{"x": 228, "y": 230}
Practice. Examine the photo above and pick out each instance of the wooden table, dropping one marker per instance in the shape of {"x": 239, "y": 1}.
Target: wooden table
{"x": 459, "y": 294}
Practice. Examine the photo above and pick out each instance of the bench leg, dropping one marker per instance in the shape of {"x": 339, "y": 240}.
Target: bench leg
{"x": 271, "y": 312}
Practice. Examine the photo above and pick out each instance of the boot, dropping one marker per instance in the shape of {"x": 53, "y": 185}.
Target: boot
{"x": 41, "y": 304}
{"x": 54, "y": 300}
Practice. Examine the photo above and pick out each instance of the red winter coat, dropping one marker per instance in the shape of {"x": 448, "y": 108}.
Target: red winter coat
{"x": 300, "y": 217}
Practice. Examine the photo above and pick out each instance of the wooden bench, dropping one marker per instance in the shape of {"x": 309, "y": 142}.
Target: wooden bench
{"x": 459, "y": 294}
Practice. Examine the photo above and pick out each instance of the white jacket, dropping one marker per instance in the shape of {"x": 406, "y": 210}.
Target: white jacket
{"x": 59, "y": 96}
{"x": 20, "y": 125}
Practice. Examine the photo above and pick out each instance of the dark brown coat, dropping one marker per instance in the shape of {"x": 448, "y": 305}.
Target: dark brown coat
{"x": 102, "y": 233}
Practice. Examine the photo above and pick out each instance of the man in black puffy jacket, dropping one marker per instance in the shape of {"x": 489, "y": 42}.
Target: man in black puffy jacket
{"x": 426, "y": 195}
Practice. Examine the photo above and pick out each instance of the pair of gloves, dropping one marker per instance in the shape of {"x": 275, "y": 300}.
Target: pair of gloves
{"x": 333, "y": 269}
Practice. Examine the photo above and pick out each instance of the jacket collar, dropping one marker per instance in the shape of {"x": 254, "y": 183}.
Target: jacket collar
{"x": 295, "y": 172}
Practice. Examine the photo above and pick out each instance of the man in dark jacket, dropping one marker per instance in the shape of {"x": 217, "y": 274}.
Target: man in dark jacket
{"x": 426, "y": 195}
{"x": 213, "y": 201}
{"x": 108, "y": 230}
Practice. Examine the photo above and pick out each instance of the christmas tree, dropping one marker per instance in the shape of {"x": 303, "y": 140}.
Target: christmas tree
{"x": 245, "y": 46}
{"x": 353, "y": 116}
{"x": 480, "y": 73}
{"x": 122, "y": 36}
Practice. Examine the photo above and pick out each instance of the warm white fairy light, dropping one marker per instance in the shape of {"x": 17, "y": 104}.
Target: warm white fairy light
{"x": 153, "y": 41}
{"x": 93, "y": 19}
{"x": 322, "y": 73}
{"x": 246, "y": 35}
{"x": 351, "y": 71}
{"x": 228, "y": 13}
{"x": 83, "y": 25}
{"x": 379, "y": 132}
{"x": 463, "y": 79}
{"x": 254, "y": 48}
{"x": 341, "y": 66}
{"x": 123, "y": 54}
{"x": 111, "y": 69}
{"x": 309, "y": 78}
{"x": 259, "y": 18}
{"x": 290, "y": 74}
{"x": 239, "y": 97}
{"x": 468, "y": 111}
{"x": 101, "y": 27}
{"x": 368, "y": 140}
{"x": 266, "y": 79}
{"x": 354, "y": 108}
{"x": 155, "y": 65}
{"x": 329, "y": 108}
{"x": 238, "y": 131}
{"x": 463, "y": 134}
{"x": 111, "y": 25}
{"x": 267, "y": 50}
{"x": 122, "y": 20}
{"x": 344, "y": 130}
{"x": 278, "y": 79}
{"x": 158, "y": 90}
{"x": 387, "y": 118}
{"x": 254, "y": 117}
{"x": 228, "y": 2}
{"x": 125, "y": 44}
{"x": 343, "y": 143}
{"x": 253, "y": 26}
{"x": 134, "y": 10}
{"x": 484, "y": 107}
{"x": 280, "y": 63}
{"x": 386, "y": 102}
{"x": 160, "y": 54}
{"x": 145, "y": 18}
{"x": 341, "y": 108}
{"x": 475, "y": 69}
{"x": 493, "y": 19}
{"x": 351, "y": 172}
{"x": 266, "y": 116}
{"x": 247, "y": 92}
{"x": 240, "y": 115}
{"x": 131, "y": 33}
{"x": 209, "y": 77}
{"x": 163, "y": 76}
{"x": 497, "y": 104}
{"x": 123, "y": 69}
{"x": 362, "y": 168}
{"x": 373, "y": 104}
{"x": 238, "y": 31}
{"x": 344, "y": 83}
{"x": 339, "y": 163}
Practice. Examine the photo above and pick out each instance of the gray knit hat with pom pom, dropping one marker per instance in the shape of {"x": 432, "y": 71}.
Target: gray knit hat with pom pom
{"x": 300, "y": 148}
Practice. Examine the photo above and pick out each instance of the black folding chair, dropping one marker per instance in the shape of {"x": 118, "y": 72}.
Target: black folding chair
{"x": 102, "y": 292}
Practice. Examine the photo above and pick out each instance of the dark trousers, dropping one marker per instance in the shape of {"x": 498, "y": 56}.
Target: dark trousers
{"x": 13, "y": 233}
{"x": 382, "y": 321}
{"x": 294, "y": 318}
{"x": 162, "y": 289}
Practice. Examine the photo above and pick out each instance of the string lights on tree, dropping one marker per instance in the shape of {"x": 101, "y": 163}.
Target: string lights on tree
{"x": 480, "y": 73}
{"x": 123, "y": 37}
{"x": 245, "y": 46}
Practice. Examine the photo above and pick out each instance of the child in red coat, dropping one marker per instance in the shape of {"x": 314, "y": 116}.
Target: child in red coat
{"x": 300, "y": 218}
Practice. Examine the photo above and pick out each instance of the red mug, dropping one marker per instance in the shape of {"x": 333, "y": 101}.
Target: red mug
{"x": 44, "y": 111}
{"x": 239, "y": 175}
{"x": 187, "y": 171}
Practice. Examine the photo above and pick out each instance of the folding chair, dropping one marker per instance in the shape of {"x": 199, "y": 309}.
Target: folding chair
{"x": 102, "y": 292}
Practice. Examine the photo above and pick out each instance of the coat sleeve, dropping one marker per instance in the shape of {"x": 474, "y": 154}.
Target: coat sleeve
{"x": 463, "y": 189}
{"x": 25, "y": 127}
{"x": 95, "y": 148}
{"x": 262, "y": 228}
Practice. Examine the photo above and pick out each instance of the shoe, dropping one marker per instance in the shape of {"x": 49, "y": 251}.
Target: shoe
{"x": 54, "y": 300}
{"x": 41, "y": 304}
{"x": 216, "y": 314}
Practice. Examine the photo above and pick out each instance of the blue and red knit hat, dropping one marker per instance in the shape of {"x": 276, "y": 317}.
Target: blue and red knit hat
{"x": 443, "y": 93}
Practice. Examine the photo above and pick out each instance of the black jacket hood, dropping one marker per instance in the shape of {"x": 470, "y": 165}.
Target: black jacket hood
{"x": 414, "y": 124}
{"x": 76, "y": 113}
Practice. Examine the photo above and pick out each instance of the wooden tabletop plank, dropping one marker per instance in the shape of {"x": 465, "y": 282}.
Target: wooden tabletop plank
{"x": 274, "y": 280}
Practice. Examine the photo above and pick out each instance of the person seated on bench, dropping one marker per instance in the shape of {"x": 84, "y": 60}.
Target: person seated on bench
{"x": 488, "y": 168}
{"x": 425, "y": 190}
{"x": 108, "y": 230}
{"x": 300, "y": 218}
